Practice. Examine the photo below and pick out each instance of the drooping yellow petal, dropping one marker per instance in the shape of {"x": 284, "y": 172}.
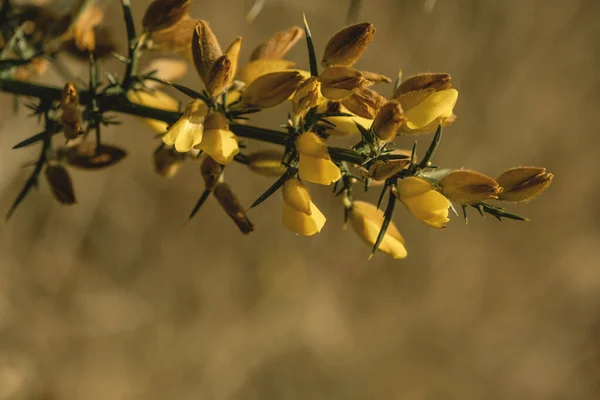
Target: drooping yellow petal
{"x": 318, "y": 170}
{"x": 366, "y": 220}
{"x": 423, "y": 201}
{"x": 220, "y": 144}
{"x": 436, "y": 105}
{"x": 296, "y": 195}
{"x": 301, "y": 223}
{"x": 154, "y": 99}
{"x": 184, "y": 134}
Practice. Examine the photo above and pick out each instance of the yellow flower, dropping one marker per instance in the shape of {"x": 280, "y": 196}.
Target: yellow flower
{"x": 469, "y": 187}
{"x": 523, "y": 183}
{"x": 366, "y": 220}
{"x": 154, "y": 99}
{"x": 300, "y": 215}
{"x": 423, "y": 201}
{"x": 315, "y": 164}
{"x": 187, "y": 131}
{"x": 344, "y": 126}
{"x": 218, "y": 141}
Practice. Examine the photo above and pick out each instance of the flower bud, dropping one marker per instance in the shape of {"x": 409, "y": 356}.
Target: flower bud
{"x": 71, "y": 116}
{"x": 388, "y": 121}
{"x": 271, "y": 89}
{"x": 219, "y": 76}
{"x": 90, "y": 156}
{"x": 249, "y": 72}
{"x": 364, "y": 102}
{"x": 382, "y": 170}
{"x": 523, "y": 183}
{"x": 469, "y": 187}
{"x": 167, "y": 161}
{"x": 348, "y": 45}
{"x": 366, "y": 220}
{"x": 314, "y": 163}
{"x": 277, "y": 46}
{"x": 188, "y": 130}
{"x": 232, "y": 206}
{"x": 423, "y": 201}
{"x": 154, "y": 99}
{"x": 437, "y": 81}
{"x": 233, "y": 53}
{"x": 307, "y": 96}
{"x": 211, "y": 171}
{"x": 266, "y": 163}
{"x": 164, "y": 14}
{"x": 300, "y": 215}
{"x": 338, "y": 82}
{"x": 218, "y": 141}
{"x": 60, "y": 182}
{"x": 205, "y": 49}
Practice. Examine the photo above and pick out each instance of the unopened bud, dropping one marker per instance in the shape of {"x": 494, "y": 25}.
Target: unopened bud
{"x": 388, "y": 120}
{"x": 271, "y": 89}
{"x": 266, "y": 163}
{"x": 211, "y": 171}
{"x": 167, "y": 161}
{"x": 60, "y": 182}
{"x": 233, "y": 53}
{"x": 338, "y": 82}
{"x": 523, "y": 183}
{"x": 382, "y": 170}
{"x": 277, "y": 46}
{"x": 91, "y": 156}
{"x": 164, "y": 14}
{"x": 307, "y": 96}
{"x": 219, "y": 76}
{"x": 70, "y": 95}
{"x": 348, "y": 45}
{"x": 71, "y": 114}
{"x": 205, "y": 49}
{"x": 364, "y": 102}
{"x": 232, "y": 206}
{"x": 436, "y": 81}
{"x": 469, "y": 187}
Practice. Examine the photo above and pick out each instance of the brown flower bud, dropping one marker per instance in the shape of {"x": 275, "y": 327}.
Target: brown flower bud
{"x": 436, "y": 81}
{"x": 60, "y": 182}
{"x": 338, "y": 82}
{"x": 348, "y": 45}
{"x": 177, "y": 39}
{"x": 382, "y": 170}
{"x": 205, "y": 49}
{"x": 388, "y": 120}
{"x": 272, "y": 89}
{"x": 164, "y": 14}
{"x": 469, "y": 187}
{"x": 307, "y": 96}
{"x": 219, "y": 76}
{"x": 266, "y": 163}
{"x": 167, "y": 161}
{"x": 71, "y": 115}
{"x": 90, "y": 156}
{"x": 211, "y": 171}
{"x": 232, "y": 206}
{"x": 277, "y": 46}
{"x": 364, "y": 102}
{"x": 70, "y": 95}
{"x": 523, "y": 183}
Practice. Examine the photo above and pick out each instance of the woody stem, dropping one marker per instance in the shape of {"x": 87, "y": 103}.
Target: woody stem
{"x": 118, "y": 102}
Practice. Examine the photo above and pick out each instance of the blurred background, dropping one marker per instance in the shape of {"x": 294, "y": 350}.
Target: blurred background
{"x": 118, "y": 298}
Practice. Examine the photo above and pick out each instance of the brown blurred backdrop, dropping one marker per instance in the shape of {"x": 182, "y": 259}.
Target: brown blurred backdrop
{"x": 117, "y": 298}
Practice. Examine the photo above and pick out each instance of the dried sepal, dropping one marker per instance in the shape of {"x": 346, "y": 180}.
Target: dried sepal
{"x": 232, "y": 206}
{"x": 382, "y": 170}
{"x": 71, "y": 116}
{"x": 205, "y": 49}
{"x": 60, "y": 182}
{"x": 177, "y": 39}
{"x": 307, "y": 96}
{"x": 164, "y": 14}
{"x": 219, "y": 76}
{"x": 338, "y": 82}
{"x": 348, "y": 45}
{"x": 277, "y": 46}
{"x": 435, "y": 81}
{"x": 469, "y": 187}
{"x": 364, "y": 102}
{"x": 374, "y": 77}
{"x": 523, "y": 183}
{"x": 388, "y": 121}
{"x": 211, "y": 171}
{"x": 271, "y": 89}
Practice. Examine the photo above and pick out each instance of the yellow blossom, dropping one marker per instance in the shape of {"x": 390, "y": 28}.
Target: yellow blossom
{"x": 366, "y": 220}
{"x": 300, "y": 215}
{"x": 315, "y": 164}
{"x": 218, "y": 141}
{"x": 423, "y": 201}
{"x": 187, "y": 131}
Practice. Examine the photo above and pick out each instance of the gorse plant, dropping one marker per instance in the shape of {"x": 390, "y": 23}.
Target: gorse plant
{"x": 330, "y": 99}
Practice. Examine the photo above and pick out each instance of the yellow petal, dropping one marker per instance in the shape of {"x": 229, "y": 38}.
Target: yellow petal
{"x": 310, "y": 144}
{"x": 184, "y": 135}
{"x": 413, "y": 186}
{"x": 301, "y": 223}
{"x": 430, "y": 207}
{"x": 436, "y": 105}
{"x": 220, "y": 144}
{"x": 296, "y": 195}
{"x": 254, "y": 69}
{"x": 155, "y": 99}
{"x": 366, "y": 220}
{"x": 318, "y": 170}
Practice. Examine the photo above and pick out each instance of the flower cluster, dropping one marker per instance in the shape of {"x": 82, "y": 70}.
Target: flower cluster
{"x": 331, "y": 99}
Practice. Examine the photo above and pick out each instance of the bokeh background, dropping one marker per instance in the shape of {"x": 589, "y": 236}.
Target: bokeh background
{"x": 118, "y": 298}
